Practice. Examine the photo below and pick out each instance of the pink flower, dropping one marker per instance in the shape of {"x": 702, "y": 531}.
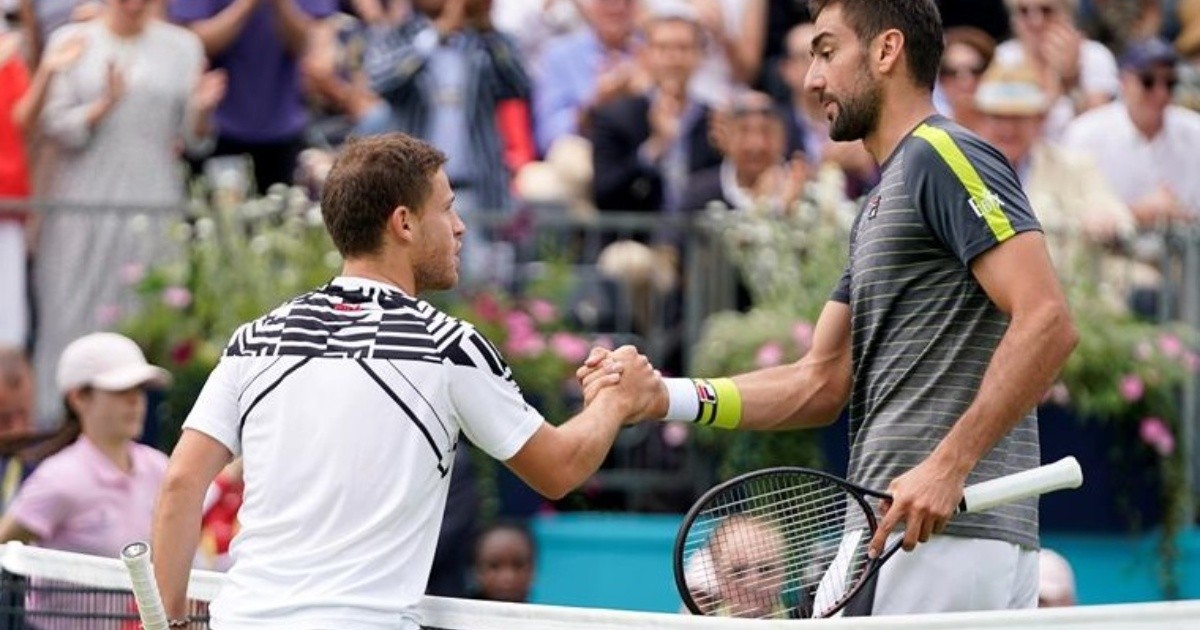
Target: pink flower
{"x": 674, "y": 434}
{"x": 518, "y": 324}
{"x": 1157, "y": 434}
{"x": 183, "y": 352}
{"x": 1191, "y": 362}
{"x": 571, "y": 348}
{"x": 107, "y": 315}
{"x": 132, "y": 273}
{"x": 1132, "y": 388}
{"x": 1058, "y": 394}
{"x": 176, "y": 297}
{"x": 543, "y": 312}
{"x": 769, "y": 354}
{"x": 802, "y": 333}
{"x": 1143, "y": 350}
{"x": 525, "y": 345}
{"x": 1170, "y": 345}
{"x": 486, "y": 308}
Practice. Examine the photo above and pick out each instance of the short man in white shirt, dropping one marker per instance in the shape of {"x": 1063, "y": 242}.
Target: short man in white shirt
{"x": 346, "y": 405}
{"x": 1144, "y": 145}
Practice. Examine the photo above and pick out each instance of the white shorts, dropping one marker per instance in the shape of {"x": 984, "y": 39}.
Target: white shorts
{"x": 951, "y": 574}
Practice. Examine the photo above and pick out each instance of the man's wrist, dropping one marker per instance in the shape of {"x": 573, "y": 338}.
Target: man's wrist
{"x": 715, "y": 402}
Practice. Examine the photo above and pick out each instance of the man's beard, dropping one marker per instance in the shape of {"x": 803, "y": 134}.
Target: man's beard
{"x": 858, "y": 114}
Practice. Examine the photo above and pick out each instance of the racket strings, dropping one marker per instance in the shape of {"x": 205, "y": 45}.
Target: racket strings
{"x": 766, "y": 547}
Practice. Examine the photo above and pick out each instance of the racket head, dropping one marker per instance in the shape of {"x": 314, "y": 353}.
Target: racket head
{"x": 778, "y": 543}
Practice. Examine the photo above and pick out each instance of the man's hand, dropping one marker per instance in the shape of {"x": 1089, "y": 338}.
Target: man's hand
{"x": 639, "y": 388}
{"x": 65, "y": 54}
{"x": 209, "y": 90}
{"x": 605, "y": 368}
{"x": 924, "y": 499}
{"x": 1060, "y": 47}
{"x": 453, "y": 17}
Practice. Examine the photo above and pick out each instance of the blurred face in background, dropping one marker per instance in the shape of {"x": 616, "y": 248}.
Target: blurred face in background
{"x": 1148, "y": 93}
{"x": 1013, "y": 135}
{"x": 504, "y": 565}
{"x": 132, "y": 14}
{"x": 756, "y": 142}
{"x": 798, "y": 46}
{"x": 16, "y": 393}
{"x": 962, "y": 65}
{"x": 672, "y": 53}
{"x": 1031, "y": 18}
{"x": 110, "y": 416}
{"x": 613, "y": 20}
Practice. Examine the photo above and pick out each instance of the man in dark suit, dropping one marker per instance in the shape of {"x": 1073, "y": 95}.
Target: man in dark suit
{"x": 645, "y": 146}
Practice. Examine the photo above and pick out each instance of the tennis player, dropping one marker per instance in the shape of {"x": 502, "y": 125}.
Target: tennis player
{"x": 346, "y": 405}
{"x": 945, "y": 330}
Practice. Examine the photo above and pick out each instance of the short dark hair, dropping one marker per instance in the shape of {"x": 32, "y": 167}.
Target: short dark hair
{"x": 370, "y": 178}
{"x": 918, "y": 20}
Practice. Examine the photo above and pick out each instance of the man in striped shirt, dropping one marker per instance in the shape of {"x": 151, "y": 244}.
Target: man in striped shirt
{"x": 346, "y": 405}
{"x": 943, "y": 333}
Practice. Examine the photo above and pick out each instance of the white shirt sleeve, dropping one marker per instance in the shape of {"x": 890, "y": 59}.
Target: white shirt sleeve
{"x": 215, "y": 413}
{"x": 488, "y": 403}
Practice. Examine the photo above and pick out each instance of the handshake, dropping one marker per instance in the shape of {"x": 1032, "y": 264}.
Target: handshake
{"x": 624, "y": 382}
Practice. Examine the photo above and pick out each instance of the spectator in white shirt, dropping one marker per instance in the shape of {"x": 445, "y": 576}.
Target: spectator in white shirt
{"x": 1144, "y": 145}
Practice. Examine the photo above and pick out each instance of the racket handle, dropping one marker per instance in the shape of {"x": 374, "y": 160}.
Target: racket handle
{"x": 145, "y": 590}
{"x": 1063, "y": 474}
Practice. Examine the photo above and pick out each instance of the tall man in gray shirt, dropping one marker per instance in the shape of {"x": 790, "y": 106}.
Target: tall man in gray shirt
{"x": 945, "y": 330}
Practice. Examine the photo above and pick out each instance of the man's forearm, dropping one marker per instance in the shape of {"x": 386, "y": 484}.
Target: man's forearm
{"x": 798, "y": 396}
{"x": 1025, "y": 364}
{"x": 175, "y": 537}
{"x": 218, "y": 32}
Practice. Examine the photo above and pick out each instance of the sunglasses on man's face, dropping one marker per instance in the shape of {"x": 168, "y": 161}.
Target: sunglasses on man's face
{"x": 1149, "y": 80}
{"x": 1030, "y": 10}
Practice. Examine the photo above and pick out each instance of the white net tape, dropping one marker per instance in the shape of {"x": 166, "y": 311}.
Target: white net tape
{"x": 457, "y": 614}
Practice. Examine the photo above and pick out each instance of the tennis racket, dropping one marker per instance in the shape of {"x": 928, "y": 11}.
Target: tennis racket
{"x": 791, "y": 543}
{"x": 145, "y": 590}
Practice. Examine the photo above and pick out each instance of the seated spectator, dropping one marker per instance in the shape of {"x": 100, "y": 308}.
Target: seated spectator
{"x": 1078, "y": 73}
{"x": 734, "y": 41}
{"x": 1075, "y": 205}
{"x": 808, "y": 127}
{"x": 968, "y": 54}
{"x": 16, "y": 420}
{"x": 97, "y": 494}
{"x": 645, "y": 147}
{"x": 504, "y": 563}
{"x": 743, "y": 548}
{"x": 119, "y": 114}
{"x": 584, "y": 70}
{"x": 258, "y": 44}
{"x": 1144, "y": 145}
{"x": 753, "y": 175}
{"x": 1056, "y": 580}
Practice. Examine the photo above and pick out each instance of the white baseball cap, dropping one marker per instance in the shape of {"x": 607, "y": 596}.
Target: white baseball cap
{"x": 109, "y": 362}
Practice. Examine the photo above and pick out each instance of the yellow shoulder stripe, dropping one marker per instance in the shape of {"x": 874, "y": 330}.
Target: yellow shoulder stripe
{"x": 982, "y": 200}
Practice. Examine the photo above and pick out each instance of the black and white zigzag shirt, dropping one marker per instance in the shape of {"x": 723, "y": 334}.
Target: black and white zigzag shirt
{"x": 346, "y": 404}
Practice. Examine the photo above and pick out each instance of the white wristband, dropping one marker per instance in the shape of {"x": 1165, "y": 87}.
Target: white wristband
{"x": 684, "y": 403}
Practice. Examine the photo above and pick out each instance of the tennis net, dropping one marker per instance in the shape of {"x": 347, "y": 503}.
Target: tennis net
{"x": 91, "y": 593}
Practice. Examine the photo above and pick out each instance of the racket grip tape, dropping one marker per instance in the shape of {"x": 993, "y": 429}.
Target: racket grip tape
{"x": 145, "y": 590}
{"x": 1063, "y": 474}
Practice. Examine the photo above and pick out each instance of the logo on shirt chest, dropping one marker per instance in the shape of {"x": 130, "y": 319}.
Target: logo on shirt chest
{"x": 873, "y": 206}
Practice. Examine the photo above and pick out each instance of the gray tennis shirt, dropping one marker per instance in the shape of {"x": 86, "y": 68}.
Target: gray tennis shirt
{"x": 924, "y": 330}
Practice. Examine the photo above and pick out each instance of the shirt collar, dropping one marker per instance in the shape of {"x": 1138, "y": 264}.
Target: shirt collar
{"x": 359, "y": 283}
{"x": 106, "y": 470}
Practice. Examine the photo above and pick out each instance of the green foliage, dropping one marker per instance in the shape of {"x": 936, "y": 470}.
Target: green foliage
{"x": 237, "y": 261}
{"x": 789, "y": 263}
